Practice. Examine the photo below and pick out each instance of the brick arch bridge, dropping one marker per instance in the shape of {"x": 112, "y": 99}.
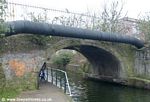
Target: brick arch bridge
{"x": 117, "y": 62}
{"x": 110, "y": 61}
{"x": 113, "y": 62}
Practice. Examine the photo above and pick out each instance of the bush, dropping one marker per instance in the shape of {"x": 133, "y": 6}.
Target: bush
{"x": 61, "y": 59}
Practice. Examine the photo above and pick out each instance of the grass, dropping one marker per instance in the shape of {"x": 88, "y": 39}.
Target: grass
{"x": 8, "y": 92}
{"x": 12, "y": 89}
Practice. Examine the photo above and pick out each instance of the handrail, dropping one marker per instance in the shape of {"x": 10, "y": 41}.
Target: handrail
{"x": 66, "y": 79}
{"x": 68, "y": 84}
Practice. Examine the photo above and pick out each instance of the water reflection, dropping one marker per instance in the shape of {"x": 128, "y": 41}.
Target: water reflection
{"x": 89, "y": 91}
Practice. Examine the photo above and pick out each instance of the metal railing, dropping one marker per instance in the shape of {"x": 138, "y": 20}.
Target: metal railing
{"x": 23, "y": 11}
{"x": 59, "y": 78}
{"x": 26, "y": 11}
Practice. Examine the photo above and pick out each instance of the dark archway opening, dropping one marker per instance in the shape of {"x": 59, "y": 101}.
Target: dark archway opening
{"x": 104, "y": 64}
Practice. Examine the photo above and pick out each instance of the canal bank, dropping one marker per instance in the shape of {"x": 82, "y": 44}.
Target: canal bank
{"x": 130, "y": 81}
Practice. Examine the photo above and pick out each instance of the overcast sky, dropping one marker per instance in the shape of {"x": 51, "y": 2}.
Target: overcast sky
{"x": 133, "y": 7}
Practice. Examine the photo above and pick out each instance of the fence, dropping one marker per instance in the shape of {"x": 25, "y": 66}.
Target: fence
{"x": 59, "y": 78}
{"x": 20, "y": 11}
{"x": 17, "y": 11}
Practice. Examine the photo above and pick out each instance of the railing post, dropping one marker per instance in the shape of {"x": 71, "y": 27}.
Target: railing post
{"x": 47, "y": 74}
{"x": 65, "y": 87}
{"x": 60, "y": 82}
{"x": 67, "y": 83}
{"x": 52, "y": 75}
{"x": 56, "y": 77}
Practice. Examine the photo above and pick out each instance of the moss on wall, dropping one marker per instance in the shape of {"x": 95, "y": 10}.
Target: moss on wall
{"x": 17, "y": 44}
{"x": 2, "y": 78}
{"x": 7, "y": 89}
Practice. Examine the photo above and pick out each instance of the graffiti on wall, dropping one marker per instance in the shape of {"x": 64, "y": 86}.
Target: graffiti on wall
{"x": 18, "y": 67}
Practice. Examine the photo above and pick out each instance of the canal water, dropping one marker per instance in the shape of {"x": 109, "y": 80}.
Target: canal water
{"x": 92, "y": 91}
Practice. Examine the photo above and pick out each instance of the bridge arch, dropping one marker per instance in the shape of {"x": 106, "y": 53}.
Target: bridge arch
{"x": 105, "y": 61}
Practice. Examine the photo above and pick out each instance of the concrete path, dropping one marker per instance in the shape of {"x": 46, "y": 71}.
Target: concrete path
{"x": 46, "y": 93}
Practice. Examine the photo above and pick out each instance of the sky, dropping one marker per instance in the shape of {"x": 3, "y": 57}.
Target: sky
{"x": 134, "y": 8}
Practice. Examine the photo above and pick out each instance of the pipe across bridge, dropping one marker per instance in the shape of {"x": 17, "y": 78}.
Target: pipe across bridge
{"x": 22, "y": 26}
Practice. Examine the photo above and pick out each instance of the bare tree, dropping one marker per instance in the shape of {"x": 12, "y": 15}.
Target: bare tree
{"x": 36, "y": 17}
{"x": 111, "y": 17}
{"x": 144, "y": 26}
{"x": 109, "y": 20}
{"x": 70, "y": 20}
{"x": 3, "y": 7}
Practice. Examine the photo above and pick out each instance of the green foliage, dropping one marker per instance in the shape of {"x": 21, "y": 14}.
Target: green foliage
{"x": 3, "y": 7}
{"x": 2, "y": 78}
{"x": 39, "y": 39}
{"x": 6, "y": 90}
{"x": 9, "y": 92}
{"x": 41, "y": 17}
{"x": 13, "y": 87}
{"x": 62, "y": 58}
